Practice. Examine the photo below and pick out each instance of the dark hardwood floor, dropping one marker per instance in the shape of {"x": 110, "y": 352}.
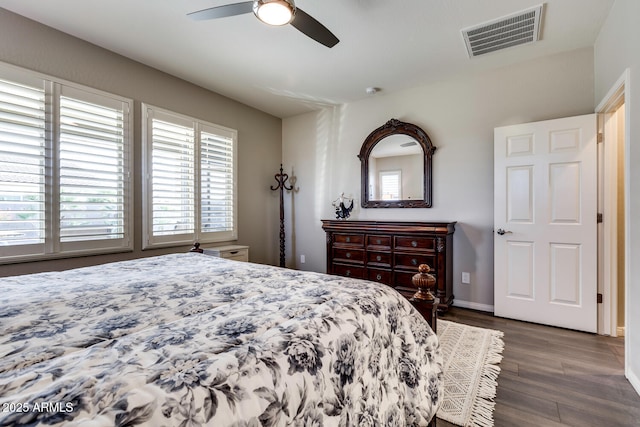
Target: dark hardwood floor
{"x": 557, "y": 377}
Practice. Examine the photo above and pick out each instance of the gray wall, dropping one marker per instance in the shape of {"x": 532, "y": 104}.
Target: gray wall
{"x": 616, "y": 50}
{"x": 459, "y": 115}
{"x": 31, "y": 45}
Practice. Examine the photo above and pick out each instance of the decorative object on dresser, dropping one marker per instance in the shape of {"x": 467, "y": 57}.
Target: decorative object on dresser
{"x": 389, "y": 252}
{"x": 281, "y": 179}
{"x": 396, "y": 167}
{"x": 234, "y": 252}
{"x": 340, "y": 204}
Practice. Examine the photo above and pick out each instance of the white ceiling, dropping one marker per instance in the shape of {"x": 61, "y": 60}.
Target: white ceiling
{"x": 391, "y": 45}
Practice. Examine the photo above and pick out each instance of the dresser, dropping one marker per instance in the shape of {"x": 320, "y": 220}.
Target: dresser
{"x": 390, "y": 252}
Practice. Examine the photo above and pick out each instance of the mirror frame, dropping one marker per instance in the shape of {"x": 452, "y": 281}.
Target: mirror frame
{"x": 396, "y": 127}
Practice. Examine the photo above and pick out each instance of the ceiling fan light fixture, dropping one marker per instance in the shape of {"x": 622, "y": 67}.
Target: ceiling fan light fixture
{"x": 274, "y": 12}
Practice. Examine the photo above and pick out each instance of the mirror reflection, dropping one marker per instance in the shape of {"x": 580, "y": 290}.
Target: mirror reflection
{"x": 396, "y": 168}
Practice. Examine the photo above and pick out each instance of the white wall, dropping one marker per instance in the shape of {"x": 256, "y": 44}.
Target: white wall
{"x": 34, "y": 46}
{"x": 459, "y": 115}
{"x": 616, "y": 50}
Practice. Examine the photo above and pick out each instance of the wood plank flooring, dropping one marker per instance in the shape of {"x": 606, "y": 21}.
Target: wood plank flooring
{"x": 557, "y": 377}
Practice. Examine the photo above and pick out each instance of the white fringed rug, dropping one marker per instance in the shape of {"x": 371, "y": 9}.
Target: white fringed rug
{"x": 470, "y": 359}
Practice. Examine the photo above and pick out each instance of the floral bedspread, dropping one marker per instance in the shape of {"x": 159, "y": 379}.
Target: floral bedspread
{"x": 190, "y": 339}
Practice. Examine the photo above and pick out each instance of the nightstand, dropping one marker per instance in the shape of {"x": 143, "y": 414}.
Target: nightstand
{"x": 234, "y": 252}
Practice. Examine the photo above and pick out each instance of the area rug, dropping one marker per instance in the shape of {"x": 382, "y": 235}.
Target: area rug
{"x": 470, "y": 359}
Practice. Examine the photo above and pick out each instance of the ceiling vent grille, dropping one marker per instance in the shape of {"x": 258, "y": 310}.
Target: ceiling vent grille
{"x": 513, "y": 30}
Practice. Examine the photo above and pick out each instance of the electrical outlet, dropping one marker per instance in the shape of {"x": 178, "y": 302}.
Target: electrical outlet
{"x": 302, "y": 259}
{"x": 466, "y": 277}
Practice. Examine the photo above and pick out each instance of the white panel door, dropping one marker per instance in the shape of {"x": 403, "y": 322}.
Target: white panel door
{"x": 545, "y": 261}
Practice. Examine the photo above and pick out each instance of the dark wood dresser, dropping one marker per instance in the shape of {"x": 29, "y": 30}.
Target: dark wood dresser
{"x": 390, "y": 252}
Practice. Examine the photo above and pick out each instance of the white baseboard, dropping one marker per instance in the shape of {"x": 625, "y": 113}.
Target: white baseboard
{"x": 473, "y": 305}
{"x": 620, "y": 331}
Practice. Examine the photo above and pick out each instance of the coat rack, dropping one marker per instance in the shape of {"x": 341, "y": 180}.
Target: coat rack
{"x": 282, "y": 178}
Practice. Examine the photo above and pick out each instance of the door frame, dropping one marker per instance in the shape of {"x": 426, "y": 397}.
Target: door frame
{"x": 608, "y": 311}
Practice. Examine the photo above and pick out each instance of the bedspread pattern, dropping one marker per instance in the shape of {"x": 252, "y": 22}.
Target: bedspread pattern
{"x": 189, "y": 339}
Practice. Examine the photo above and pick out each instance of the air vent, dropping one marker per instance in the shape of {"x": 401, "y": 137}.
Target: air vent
{"x": 513, "y": 30}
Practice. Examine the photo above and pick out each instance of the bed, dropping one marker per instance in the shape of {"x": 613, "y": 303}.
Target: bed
{"x": 189, "y": 339}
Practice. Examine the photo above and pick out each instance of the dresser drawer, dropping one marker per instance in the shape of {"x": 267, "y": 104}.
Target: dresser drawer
{"x": 413, "y": 260}
{"x": 380, "y": 276}
{"x": 348, "y": 255}
{"x": 349, "y": 271}
{"x": 402, "y": 279}
{"x": 377, "y": 243}
{"x": 240, "y": 255}
{"x": 379, "y": 259}
{"x": 348, "y": 239}
{"x": 415, "y": 243}
{"x": 233, "y": 252}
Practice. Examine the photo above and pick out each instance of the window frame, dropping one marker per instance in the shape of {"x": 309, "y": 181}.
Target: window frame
{"x": 52, "y": 247}
{"x": 149, "y": 241}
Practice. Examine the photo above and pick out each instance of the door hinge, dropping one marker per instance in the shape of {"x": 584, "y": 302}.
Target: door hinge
{"x": 600, "y": 137}
{"x": 599, "y": 218}
{"x": 599, "y": 298}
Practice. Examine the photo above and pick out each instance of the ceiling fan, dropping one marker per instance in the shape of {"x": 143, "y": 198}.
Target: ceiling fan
{"x": 273, "y": 12}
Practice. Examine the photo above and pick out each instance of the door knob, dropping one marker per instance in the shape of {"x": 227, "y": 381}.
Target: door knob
{"x": 502, "y": 232}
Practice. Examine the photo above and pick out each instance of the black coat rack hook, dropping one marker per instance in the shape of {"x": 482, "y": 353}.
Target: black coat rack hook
{"x": 281, "y": 179}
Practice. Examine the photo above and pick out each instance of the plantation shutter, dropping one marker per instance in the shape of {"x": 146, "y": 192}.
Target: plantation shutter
{"x": 92, "y": 173}
{"x": 65, "y": 161}
{"x": 190, "y": 172}
{"x": 390, "y": 185}
{"x": 173, "y": 177}
{"x": 22, "y": 164}
{"x": 216, "y": 180}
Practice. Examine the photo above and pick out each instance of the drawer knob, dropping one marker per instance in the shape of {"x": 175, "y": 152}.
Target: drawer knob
{"x": 348, "y": 255}
{"x": 414, "y": 243}
{"x": 348, "y": 273}
{"x": 379, "y": 276}
{"x": 414, "y": 261}
{"x": 378, "y": 242}
{"x": 348, "y": 239}
{"x": 378, "y": 258}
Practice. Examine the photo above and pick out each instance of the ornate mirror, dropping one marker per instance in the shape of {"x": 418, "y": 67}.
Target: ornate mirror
{"x": 396, "y": 167}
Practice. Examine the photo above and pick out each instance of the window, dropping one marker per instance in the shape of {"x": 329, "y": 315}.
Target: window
{"x": 65, "y": 156}
{"x": 190, "y": 172}
{"x": 390, "y": 185}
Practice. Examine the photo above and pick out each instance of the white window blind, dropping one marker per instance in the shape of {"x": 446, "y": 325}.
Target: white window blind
{"x": 173, "y": 178}
{"x": 216, "y": 183}
{"x": 65, "y": 161}
{"x": 190, "y": 169}
{"x": 92, "y": 171}
{"x": 390, "y": 185}
{"x": 22, "y": 164}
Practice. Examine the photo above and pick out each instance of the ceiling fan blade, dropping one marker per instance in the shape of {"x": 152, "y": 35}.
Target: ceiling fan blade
{"x": 222, "y": 11}
{"x": 306, "y": 24}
